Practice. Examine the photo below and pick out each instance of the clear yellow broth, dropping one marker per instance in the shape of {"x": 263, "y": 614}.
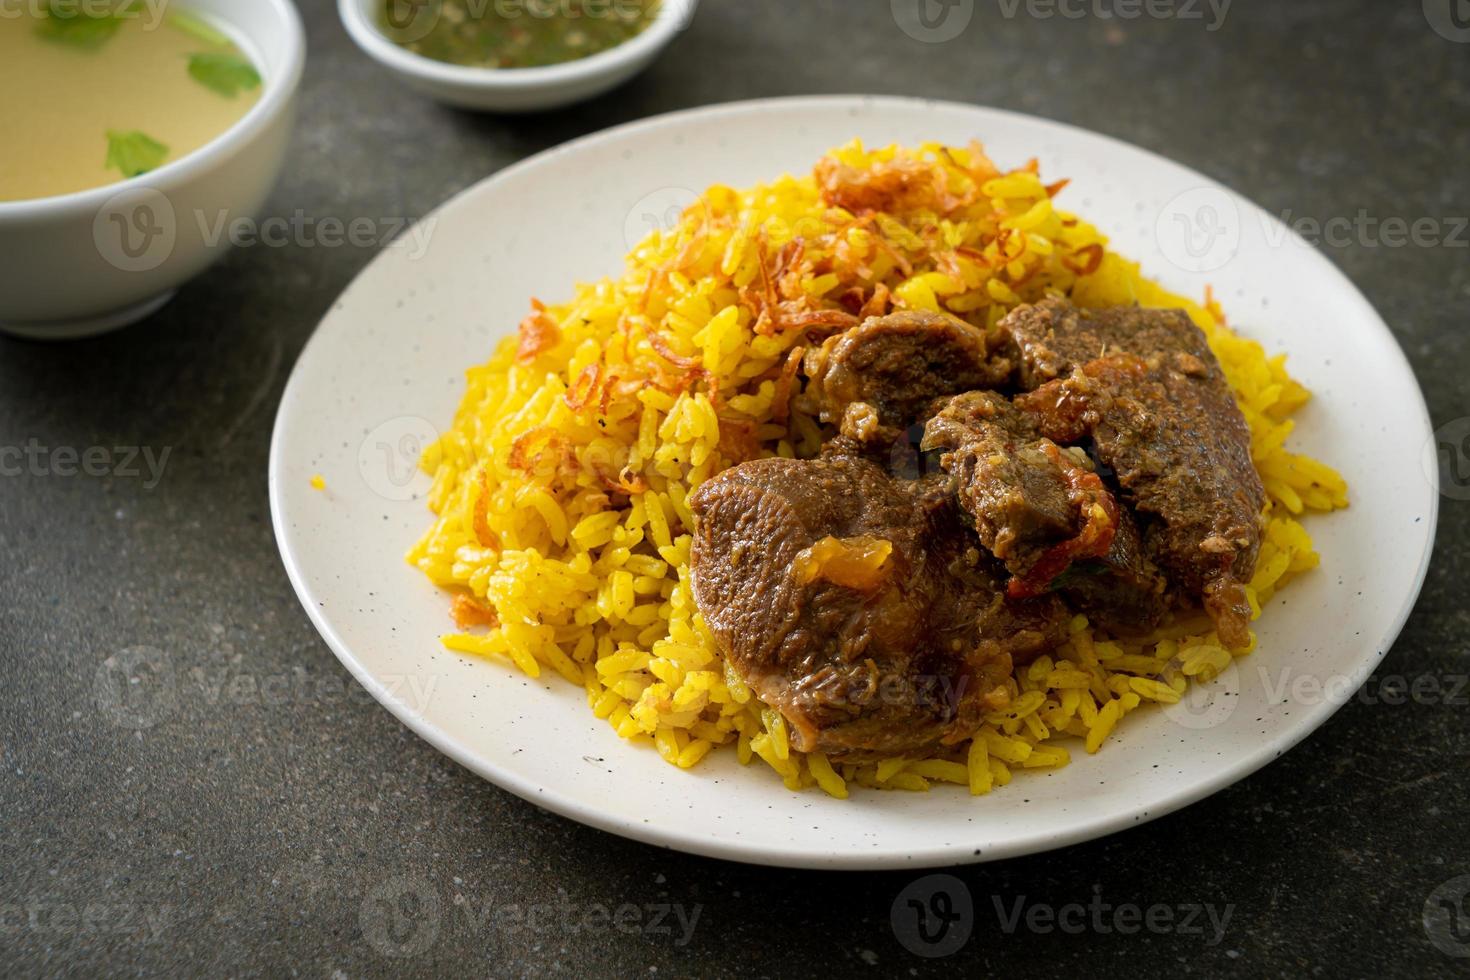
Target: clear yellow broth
{"x": 60, "y": 98}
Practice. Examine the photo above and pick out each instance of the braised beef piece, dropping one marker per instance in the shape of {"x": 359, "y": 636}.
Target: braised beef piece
{"x": 1045, "y": 513}
{"x": 1144, "y": 387}
{"x": 875, "y": 380}
{"x": 1004, "y": 477}
{"x": 858, "y": 606}
{"x": 1123, "y": 591}
{"x": 1050, "y": 339}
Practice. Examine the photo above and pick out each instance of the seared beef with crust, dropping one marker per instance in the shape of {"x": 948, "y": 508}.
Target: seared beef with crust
{"x": 875, "y": 380}
{"x": 1044, "y": 512}
{"x": 858, "y": 606}
{"x": 1144, "y": 387}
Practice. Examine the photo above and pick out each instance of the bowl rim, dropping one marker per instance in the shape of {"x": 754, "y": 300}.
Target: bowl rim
{"x": 279, "y": 91}
{"x": 672, "y": 17}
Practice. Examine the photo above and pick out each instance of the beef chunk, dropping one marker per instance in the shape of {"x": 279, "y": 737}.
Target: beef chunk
{"x": 1122, "y": 591}
{"x": 877, "y": 379}
{"x": 1016, "y": 492}
{"x": 1043, "y": 512}
{"x": 858, "y": 606}
{"x": 1052, "y": 338}
{"x": 1145, "y": 388}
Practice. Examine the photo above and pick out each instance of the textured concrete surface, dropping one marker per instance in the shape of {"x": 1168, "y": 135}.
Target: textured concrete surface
{"x": 275, "y": 821}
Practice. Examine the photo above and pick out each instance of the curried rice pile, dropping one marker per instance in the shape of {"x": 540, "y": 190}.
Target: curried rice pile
{"x": 560, "y": 491}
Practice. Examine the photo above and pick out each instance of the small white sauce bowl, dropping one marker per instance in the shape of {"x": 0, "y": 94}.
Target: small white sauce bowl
{"x": 75, "y": 265}
{"x": 515, "y": 89}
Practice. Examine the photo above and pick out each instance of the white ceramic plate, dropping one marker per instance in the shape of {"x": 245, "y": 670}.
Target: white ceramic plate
{"x": 386, "y": 367}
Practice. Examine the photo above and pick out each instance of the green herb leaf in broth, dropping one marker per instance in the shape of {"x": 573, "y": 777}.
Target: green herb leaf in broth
{"x": 196, "y": 28}
{"x": 227, "y": 74}
{"x": 70, "y": 24}
{"x": 133, "y": 153}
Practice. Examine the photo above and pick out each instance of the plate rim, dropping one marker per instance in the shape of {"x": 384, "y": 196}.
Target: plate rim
{"x": 743, "y": 851}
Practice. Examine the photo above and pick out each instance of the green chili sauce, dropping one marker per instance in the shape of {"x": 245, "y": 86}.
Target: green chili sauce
{"x": 513, "y": 33}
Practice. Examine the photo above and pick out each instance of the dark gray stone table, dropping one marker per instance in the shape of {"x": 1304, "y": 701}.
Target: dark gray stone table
{"x": 276, "y": 821}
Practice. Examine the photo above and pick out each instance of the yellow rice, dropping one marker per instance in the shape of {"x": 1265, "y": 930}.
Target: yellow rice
{"x": 594, "y": 585}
